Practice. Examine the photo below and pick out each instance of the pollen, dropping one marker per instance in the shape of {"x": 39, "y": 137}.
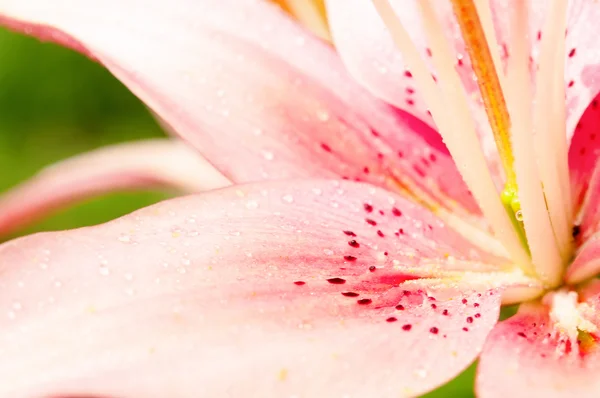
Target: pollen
{"x": 569, "y": 316}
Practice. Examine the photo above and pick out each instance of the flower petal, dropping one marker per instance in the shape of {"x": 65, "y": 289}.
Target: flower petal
{"x": 136, "y": 165}
{"x": 583, "y": 159}
{"x": 251, "y": 290}
{"x": 369, "y": 53}
{"x": 257, "y": 95}
{"x": 582, "y": 73}
{"x": 528, "y": 355}
{"x": 587, "y": 261}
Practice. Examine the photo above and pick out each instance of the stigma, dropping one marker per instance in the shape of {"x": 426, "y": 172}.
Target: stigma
{"x": 531, "y": 214}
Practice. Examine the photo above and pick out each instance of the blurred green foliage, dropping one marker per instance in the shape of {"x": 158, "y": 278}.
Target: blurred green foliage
{"x": 55, "y": 103}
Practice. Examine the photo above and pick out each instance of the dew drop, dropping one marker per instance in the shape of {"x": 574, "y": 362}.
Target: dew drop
{"x": 519, "y": 215}
{"x": 322, "y": 115}
{"x": 288, "y": 198}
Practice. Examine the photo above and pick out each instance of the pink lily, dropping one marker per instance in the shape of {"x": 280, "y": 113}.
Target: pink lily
{"x": 312, "y": 287}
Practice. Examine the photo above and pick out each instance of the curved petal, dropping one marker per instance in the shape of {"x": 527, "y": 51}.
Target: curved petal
{"x": 369, "y": 53}
{"x": 587, "y": 262}
{"x": 529, "y": 355}
{"x": 583, "y": 159}
{"x": 257, "y": 95}
{"x": 582, "y": 73}
{"x": 136, "y": 165}
{"x": 273, "y": 289}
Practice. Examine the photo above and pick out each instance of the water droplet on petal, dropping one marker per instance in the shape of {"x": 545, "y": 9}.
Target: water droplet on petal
{"x": 288, "y": 198}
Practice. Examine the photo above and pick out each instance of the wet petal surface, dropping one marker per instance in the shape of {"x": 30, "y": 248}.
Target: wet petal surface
{"x": 244, "y": 290}
{"x": 257, "y": 95}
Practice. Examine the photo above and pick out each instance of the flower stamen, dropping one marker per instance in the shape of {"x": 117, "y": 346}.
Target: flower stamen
{"x": 449, "y": 109}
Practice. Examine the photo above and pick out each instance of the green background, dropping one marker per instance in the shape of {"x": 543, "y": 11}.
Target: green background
{"x": 55, "y": 103}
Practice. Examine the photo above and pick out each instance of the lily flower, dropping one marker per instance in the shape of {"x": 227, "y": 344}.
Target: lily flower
{"x": 388, "y": 198}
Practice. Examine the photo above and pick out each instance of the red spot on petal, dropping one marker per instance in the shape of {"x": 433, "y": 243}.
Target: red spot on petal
{"x": 379, "y": 233}
{"x": 466, "y": 329}
{"x": 396, "y": 212}
{"x": 326, "y": 147}
{"x": 407, "y": 327}
{"x": 434, "y": 330}
{"x": 400, "y": 307}
{"x": 350, "y": 294}
{"x": 372, "y": 268}
{"x": 521, "y": 334}
{"x": 368, "y": 208}
{"x": 336, "y": 281}
{"x": 349, "y": 233}
{"x": 571, "y": 53}
{"x": 299, "y": 283}
{"x": 391, "y": 319}
{"x": 469, "y": 319}
{"x": 364, "y": 301}
{"x": 370, "y": 222}
{"x": 349, "y": 258}
{"x": 477, "y": 315}
{"x": 445, "y": 312}
{"x": 464, "y": 301}
{"x": 354, "y": 243}
{"x": 407, "y": 73}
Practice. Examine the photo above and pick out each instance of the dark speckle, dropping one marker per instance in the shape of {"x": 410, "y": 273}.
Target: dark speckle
{"x": 380, "y": 234}
{"x": 469, "y": 319}
{"x": 299, "y": 283}
{"x": 445, "y": 312}
{"x": 391, "y": 319}
{"x": 477, "y": 315}
{"x": 349, "y": 258}
{"x": 396, "y": 212}
{"x": 350, "y": 294}
{"x": 400, "y": 307}
{"x": 576, "y": 230}
{"x": 326, "y": 147}
{"x": 521, "y": 334}
{"x": 433, "y": 306}
{"x": 364, "y": 301}
{"x": 407, "y": 327}
{"x": 349, "y": 233}
{"x": 466, "y": 329}
{"x": 336, "y": 281}
{"x": 354, "y": 243}
{"x": 372, "y": 268}
{"x": 434, "y": 330}
{"x": 572, "y": 53}
{"x": 368, "y": 208}
{"x": 464, "y": 301}
{"x": 370, "y": 222}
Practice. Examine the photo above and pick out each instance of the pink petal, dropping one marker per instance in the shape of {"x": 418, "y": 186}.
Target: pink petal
{"x": 583, "y": 159}
{"x": 137, "y": 165}
{"x": 257, "y": 95}
{"x": 587, "y": 262}
{"x": 370, "y": 55}
{"x": 582, "y": 73}
{"x": 527, "y": 356}
{"x": 240, "y": 292}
